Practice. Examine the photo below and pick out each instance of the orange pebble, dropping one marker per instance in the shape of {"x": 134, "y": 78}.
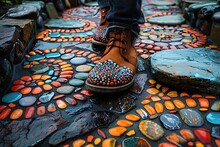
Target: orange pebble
{"x": 179, "y": 104}
{"x": 150, "y": 109}
{"x": 124, "y": 123}
{"x": 159, "y": 107}
{"x": 47, "y": 87}
{"x": 169, "y": 105}
{"x": 132, "y": 117}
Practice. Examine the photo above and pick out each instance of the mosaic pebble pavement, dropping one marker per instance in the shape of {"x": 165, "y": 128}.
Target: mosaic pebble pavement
{"x": 52, "y": 82}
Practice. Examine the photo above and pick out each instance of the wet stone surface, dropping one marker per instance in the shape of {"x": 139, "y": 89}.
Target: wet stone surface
{"x": 188, "y": 69}
{"x": 121, "y": 104}
{"x": 28, "y": 132}
{"x": 82, "y": 124}
{"x": 77, "y": 110}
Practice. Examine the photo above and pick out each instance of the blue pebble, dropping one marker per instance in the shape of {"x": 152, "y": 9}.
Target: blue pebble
{"x": 11, "y": 97}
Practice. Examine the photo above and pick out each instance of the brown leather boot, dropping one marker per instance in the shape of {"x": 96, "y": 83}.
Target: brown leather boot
{"x": 116, "y": 69}
{"x": 99, "y": 37}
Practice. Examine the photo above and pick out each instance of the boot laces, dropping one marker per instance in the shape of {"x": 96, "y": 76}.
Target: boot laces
{"x": 124, "y": 41}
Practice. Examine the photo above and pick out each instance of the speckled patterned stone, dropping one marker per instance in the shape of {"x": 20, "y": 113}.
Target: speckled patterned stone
{"x": 171, "y": 121}
{"x": 39, "y": 68}
{"x": 191, "y": 117}
{"x": 135, "y": 142}
{"x": 151, "y": 130}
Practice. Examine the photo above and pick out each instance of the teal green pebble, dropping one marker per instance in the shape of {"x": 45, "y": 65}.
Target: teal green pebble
{"x": 52, "y": 55}
{"x": 51, "y": 72}
{"x": 76, "y": 82}
{"x": 11, "y": 97}
{"x": 81, "y": 76}
{"x": 48, "y": 81}
{"x": 36, "y": 58}
{"x": 213, "y": 118}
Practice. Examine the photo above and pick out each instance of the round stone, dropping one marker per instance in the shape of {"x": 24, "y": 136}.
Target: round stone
{"x": 171, "y": 121}
{"x": 81, "y": 76}
{"x": 84, "y": 68}
{"x": 65, "y": 89}
{"x": 78, "y": 60}
{"x": 151, "y": 130}
{"x": 135, "y": 142}
{"x": 76, "y": 82}
{"x": 215, "y": 106}
{"x": 46, "y": 97}
{"x": 213, "y": 118}
{"x": 27, "y": 101}
{"x": 216, "y": 132}
{"x": 191, "y": 117}
{"x": 67, "y": 56}
{"x": 11, "y": 97}
{"x": 39, "y": 68}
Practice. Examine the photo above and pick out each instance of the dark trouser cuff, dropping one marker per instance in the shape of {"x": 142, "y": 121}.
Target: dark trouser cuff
{"x": 133, "y": 28}
{"x": 103, "y": 3}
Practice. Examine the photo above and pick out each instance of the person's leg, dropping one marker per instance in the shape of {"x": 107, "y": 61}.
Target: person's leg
{"x": 125, "y": 13}
{"x": 117, "y": 67}
{"x": 99, "y": 37}
{"x": 103, "y": 3}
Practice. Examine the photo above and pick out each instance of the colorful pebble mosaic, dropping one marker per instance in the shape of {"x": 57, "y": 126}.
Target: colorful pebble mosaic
{"x": 53, "y": 81}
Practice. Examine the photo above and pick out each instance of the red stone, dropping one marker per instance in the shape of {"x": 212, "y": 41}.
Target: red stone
{"x": 29, "y": 112}
{"x": 58, "y": 96}
{"x": 203, "y": 135}
{"x": 41, "y": 110}
{"x": 101, "y": 133}
{"x": 18, "y": 82}
{"x": 166, "y": 144}
{"x": 17, "y": 87}
{"x": 5, "y": 113}
{"x": 66, "y": 76}
{"x": 26, "y": 78}
{"x": 26, "y": 90}
{"x": 56, "y": 84}
{"x": 80, "y": 97}
{"x": 37, "y": 90}
{"x": 86, "y": 92}
{"x": 2, "y": 107}
{"x": 71, "y": 101}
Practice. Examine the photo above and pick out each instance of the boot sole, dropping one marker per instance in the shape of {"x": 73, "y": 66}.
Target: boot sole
{"x": 98, "y": 46}
{"x": 107, "y": 89}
